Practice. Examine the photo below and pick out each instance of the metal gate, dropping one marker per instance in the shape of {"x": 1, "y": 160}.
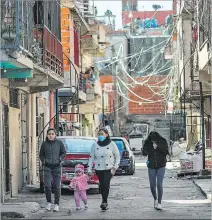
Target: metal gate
{"x": 24, "y": 140}
{"x": 178, "y": 126}
{"x": 6, "y": 149}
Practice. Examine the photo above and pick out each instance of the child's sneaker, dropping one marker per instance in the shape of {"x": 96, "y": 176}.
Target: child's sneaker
{"x": 86, "y": 206}
{"x": 78, "y": 208}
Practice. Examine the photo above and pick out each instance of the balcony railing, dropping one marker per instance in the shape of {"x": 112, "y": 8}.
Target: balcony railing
{"x": 82, "y": 84}
{"x": 17, "y": 25}
{"x": 205, "y": 8}
{"x": 52, "y": 52}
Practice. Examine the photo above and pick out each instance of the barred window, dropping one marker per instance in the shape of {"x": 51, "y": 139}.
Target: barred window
{"x": 14, "y": 98}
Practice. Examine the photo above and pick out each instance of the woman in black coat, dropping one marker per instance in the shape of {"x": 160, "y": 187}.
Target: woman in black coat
{"x": 156, "y": 148}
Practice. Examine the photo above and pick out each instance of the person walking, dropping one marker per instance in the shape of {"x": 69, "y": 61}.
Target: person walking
{"x": 80, "y": 184}
{"x": 52, "y": 153}
{"x": 106, "y": 157}
{"x": 156, "y": 148}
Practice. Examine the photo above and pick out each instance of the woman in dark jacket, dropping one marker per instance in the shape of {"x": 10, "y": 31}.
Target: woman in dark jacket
{"x": 52, "y": 153}
{"x": 156, "y": 148}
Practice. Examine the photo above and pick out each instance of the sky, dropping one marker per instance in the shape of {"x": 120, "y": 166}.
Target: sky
{"x": 116, "y": 7}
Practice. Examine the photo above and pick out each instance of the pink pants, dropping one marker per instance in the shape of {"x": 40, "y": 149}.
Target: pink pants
{"x": 80, "y": 194}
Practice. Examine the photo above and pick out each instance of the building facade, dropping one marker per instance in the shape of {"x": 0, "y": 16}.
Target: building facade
{"x": 31, "y": 64}
{"x": 194, "y": 70}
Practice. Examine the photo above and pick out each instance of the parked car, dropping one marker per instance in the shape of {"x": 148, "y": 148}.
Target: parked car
{"x": 77, "y": 152}
{"x": 127, "y": 163}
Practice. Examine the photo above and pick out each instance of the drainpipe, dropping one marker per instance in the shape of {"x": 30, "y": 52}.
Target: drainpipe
{"x": 203, "y": 124}
{"x": 34, "y": 143}
{"x": 51, "y": 107}
{"x": 57, "y": 112}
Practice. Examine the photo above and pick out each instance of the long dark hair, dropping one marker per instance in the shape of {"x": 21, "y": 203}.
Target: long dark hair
{"x": 154, "y": 136}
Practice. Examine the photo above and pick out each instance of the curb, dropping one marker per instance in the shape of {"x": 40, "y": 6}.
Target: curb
{"x": 207, "y": 196}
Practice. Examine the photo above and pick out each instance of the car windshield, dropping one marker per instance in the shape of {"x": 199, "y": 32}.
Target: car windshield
{"x": 78, "y": 145}
{"x": 120, "y": 144}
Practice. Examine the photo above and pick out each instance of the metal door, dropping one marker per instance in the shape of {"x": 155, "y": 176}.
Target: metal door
{"x": 178, "y": 126}
{"x": 6, "y": 149}
{"x": 24, "y": 140}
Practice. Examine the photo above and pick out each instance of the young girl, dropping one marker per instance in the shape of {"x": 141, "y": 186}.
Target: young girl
{"x": 80, "y": 184}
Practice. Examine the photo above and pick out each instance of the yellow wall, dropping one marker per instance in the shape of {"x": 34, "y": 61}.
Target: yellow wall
{"x": 15, "y": 139}
{"x": 15, "y": 149}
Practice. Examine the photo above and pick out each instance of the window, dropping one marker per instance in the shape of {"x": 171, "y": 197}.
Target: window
{"x": 65, "y": 107}
{"x": 120, "y": 144}
{"x": 14, "y": 98}
{"x": 78, "y": 145}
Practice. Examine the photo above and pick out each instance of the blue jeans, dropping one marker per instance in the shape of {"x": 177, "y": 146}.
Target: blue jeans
{"x": 156, "y": 174}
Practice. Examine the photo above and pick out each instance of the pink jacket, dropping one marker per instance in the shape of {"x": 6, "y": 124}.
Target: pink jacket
{"x": 80, "y": 182}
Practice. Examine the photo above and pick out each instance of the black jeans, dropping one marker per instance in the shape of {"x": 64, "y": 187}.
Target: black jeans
{"x": 104, "y": 177}
{"x": 52, "y": 180}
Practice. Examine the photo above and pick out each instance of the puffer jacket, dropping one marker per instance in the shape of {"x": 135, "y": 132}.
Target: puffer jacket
{"x": 52, "y": 153}
{"x": 156, "y": 157}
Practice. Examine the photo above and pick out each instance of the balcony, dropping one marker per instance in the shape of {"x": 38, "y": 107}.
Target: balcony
{"x": 82, "y": 89}
{"x": 93, "y": 98}
{"x": 204, "y": 53}
{"x": 48, "y": 63}
{"x": 91, "y": 107}
{"x": 17, "y": 37}
{"x": 37, "y": 59}
{"x": 95, "y": 41}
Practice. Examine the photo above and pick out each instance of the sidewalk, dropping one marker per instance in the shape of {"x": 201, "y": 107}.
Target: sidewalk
{"x": 18, "y": 210}
{"x": 205, "y": 186}
{"x": 22, "y": 205}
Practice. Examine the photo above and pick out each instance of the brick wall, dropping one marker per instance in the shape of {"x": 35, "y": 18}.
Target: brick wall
{"x": 145, "y": 92}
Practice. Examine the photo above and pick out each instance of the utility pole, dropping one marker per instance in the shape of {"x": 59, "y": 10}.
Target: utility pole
{"x": 114, "y": 72}
{"x": 103, "y": 107}
{"x": 203, "y": 124}
{"x": 57, "y": 113}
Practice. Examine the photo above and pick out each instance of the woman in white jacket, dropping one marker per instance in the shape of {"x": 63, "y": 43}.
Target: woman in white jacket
{"x": 106, "y": 157}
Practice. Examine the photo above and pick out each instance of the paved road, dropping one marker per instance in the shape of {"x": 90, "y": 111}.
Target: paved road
{"x": 130, "y": 198}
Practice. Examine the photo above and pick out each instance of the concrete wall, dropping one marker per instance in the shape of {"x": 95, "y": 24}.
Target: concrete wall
{"x": 15, "y": 137}
{"x": 187, "y": 37}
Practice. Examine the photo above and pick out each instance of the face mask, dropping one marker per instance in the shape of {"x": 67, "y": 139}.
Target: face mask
{"x": 101, "y": 138}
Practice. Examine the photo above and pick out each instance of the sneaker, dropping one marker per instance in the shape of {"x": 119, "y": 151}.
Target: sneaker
{"x": 104, "y": 206}
{"x": 156, "y": 204}
{"x": 159, "y": 207}
{"x": 78, "y": 208}
{"x": 48, "y": 206}
{"x": 86, "y": 206}
{"x": 56, "y": 208}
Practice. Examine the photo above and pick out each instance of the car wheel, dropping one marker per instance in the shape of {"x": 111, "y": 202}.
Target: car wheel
{"x": 132, "y": 169}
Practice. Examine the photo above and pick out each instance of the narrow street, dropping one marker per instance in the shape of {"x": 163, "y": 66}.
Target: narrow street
{"x": 130, "y": 198}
